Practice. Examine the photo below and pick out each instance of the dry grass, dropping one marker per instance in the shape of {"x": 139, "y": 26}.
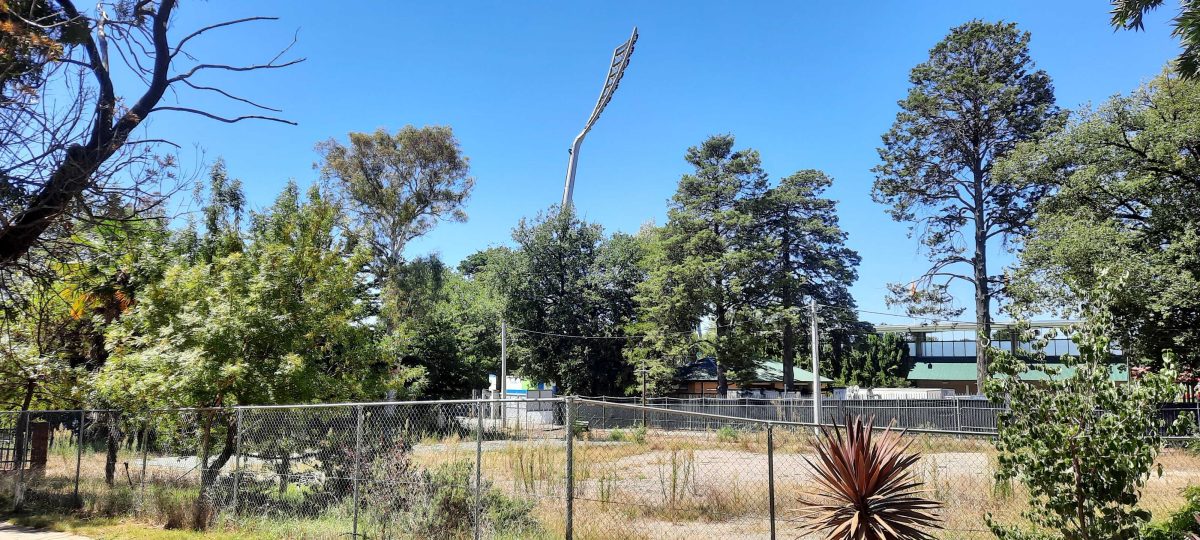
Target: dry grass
{"x": 660, "y": 485}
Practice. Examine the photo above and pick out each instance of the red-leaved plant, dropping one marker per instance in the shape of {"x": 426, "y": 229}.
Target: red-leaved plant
{"x": 867, "y": 489}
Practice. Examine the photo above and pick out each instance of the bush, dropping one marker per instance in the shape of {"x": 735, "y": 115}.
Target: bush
{"x": 616, "y": 435}
{"x": 727, "y": 434}
{"x": 436, "y": 503}
{"x": 639, "y": 435}
{"x": 1081, "y": 445}
{"x": 1181, "y": 524}
{"x": 443, "y": 505}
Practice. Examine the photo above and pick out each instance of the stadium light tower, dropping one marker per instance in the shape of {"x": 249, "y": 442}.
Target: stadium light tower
{"x": 616, "y": 69}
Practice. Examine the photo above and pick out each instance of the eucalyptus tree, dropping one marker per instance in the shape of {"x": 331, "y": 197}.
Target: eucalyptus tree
{"x": 979, "y": 95}
{"x": 1083, "y": 446}
{"x": 76, "y": 85}
{"x": 399, "y": 186}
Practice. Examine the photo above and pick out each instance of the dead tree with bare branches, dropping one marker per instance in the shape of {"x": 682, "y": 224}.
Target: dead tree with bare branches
{"x": 68, "y": 158}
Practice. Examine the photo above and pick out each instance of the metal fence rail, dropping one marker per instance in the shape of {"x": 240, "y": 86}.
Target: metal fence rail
{"x": 551, "y": 468}
{"x": 969, "y": 415}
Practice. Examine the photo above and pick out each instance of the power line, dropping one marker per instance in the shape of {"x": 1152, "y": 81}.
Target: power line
{"x": 917, "y": 317}
{"x": 731, "y": 325}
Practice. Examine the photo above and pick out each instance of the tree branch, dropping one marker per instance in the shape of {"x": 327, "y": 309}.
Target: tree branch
{"x": 223, "y": 119}
{"x": 179, "y": 46}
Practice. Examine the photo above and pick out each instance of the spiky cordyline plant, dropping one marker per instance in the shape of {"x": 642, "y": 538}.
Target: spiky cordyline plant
{"x": 867, "y": 488}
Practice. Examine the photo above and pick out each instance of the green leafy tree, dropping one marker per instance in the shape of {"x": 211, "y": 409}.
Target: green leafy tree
{"x": 567, "y": 279}
{"x": 1083, "y": 445}
{"x": 272, "y": 314}
{"x": 399, "y": 187}
{"x": 1127, "y": 199}
{"x": 877, "y": 361}
{"x": 1129, "y": 15}
{"x": 803, "y": 255}
{"x": 277, "y": 317}
{"x": 454, "y": 337}
{"x": 977, "y": 96}
{"x": 700, "y": 271}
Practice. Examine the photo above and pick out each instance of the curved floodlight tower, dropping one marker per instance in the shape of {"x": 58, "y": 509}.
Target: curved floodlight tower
{"x": 616, "y": 69}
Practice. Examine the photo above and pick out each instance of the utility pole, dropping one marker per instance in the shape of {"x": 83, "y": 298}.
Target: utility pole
{"x": 816, "y": 361}
{"x": 644, "y": 392}
{"x": 502, "y": 382}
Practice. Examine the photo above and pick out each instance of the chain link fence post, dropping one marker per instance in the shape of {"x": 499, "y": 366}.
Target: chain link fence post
{"x": 19, "y": 460}
{"x": 237, "y": 459}
{"x": 145, "y": 458}
{"x": 358, "y": 422}
{"x": 478, "y": 465}
{"x": 78, "y": 458}
{"x": 771, "y": 474}
{"x": 569, "y": 416}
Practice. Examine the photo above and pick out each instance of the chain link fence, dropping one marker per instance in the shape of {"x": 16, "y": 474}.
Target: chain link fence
{"x": 970, "y": 415}
{"x": 479, "y": 469}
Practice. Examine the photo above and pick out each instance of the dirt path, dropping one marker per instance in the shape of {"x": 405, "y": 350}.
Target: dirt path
{"x": 8, "y": 531}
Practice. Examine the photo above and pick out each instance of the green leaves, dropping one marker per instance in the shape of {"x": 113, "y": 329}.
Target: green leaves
{"x": 971, "y": 103}
{"x": 567, "y": 278}
{"x": 1083, "y": 445}
{"x": 273, "y": 314}
{"x": 1128, "y": 14}
{"x": 704, "y": 267}
{"x": 1126, "y": 208}
{"x": 877, "y": 361}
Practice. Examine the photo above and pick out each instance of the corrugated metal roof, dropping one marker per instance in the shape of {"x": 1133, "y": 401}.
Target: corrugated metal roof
{"x": 965, "y": 371}
{"x": 947, "y": 326}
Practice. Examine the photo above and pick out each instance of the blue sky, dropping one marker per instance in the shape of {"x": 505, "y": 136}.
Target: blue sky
{"x": 808, "y": 84}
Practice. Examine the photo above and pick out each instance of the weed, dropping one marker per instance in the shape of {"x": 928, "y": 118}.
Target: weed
{"x": 676, "y": 477}
{"x": 608, "y": 487}
{"x": 727, "y": 434}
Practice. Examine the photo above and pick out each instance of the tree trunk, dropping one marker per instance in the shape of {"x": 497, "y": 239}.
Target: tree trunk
{"x": 983, "y": 298}
{"x": 74, "y": 174}
{"x": 284, "y": 470}
{"x": 718, "y": 357}
{"x": 209, "y": 471}
{"x": 20, "y": 431}
{"x": 114, "y": 441}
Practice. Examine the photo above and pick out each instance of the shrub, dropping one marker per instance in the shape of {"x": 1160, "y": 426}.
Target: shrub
{"x": 435, "y": 503}
{"x": 616, "y": 435}
{"x": 869, "y": 489}
{"x": 1182, "y": 524}
{"x": 443, "y": 505}
{"x": 639, "y": 435}
{"x": 727, "y": 434}
{"x": 1082, "y": 445}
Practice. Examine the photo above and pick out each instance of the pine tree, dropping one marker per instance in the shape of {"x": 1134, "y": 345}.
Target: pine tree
{"x": 803, "y": 256}
{"x": 972, "y": 102}
{"x": 701, "y": 271}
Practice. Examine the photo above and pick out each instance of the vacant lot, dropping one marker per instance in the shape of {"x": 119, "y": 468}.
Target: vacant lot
{"x": 628, "y": 484}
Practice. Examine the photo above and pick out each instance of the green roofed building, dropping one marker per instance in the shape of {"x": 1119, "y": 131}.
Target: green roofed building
{"x": 699, "y": 379}
{"x": 943, "y": 354}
